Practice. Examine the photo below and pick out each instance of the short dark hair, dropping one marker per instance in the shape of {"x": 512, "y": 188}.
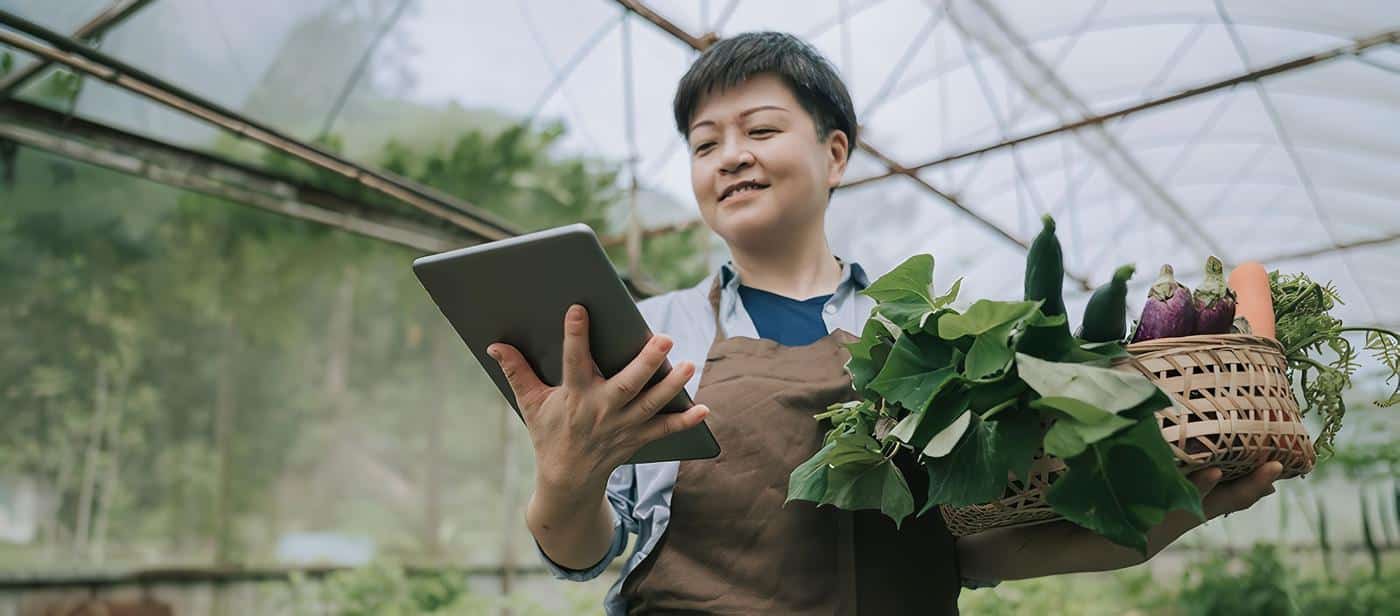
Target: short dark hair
{"x": 812, "y": 79}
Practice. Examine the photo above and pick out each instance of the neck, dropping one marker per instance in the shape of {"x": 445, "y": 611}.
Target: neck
{"x": 801, "y": 268}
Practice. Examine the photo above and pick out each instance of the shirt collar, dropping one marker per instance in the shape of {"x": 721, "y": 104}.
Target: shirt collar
{"x": 839, "y": 311}
{"x": 851, "y": 272}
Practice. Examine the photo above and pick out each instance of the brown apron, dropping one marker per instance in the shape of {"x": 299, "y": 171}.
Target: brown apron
{"x": 733, "y": 547}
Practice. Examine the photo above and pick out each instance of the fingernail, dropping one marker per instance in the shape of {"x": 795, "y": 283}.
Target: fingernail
{"x": 575, "y": 312}
{"x": 495, "y": 354}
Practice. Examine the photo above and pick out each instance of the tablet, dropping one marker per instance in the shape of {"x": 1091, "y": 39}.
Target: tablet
{"x": 517, "y": 290}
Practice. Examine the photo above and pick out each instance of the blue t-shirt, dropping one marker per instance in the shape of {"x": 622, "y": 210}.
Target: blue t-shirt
{"x": 787, "y": 321}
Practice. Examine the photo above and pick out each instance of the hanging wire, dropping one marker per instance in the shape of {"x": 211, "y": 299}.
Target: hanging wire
{"x": 1304, "y": 177}
{"x": 360, "y": 67}
{"x": 634, "y": 224}
{"x": 211, "y": 7}
{"x": 561, "y": 74}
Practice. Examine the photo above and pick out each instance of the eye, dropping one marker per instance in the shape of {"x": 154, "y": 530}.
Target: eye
{"x": 760, "y": 131}
{"x": 702, "y": 148}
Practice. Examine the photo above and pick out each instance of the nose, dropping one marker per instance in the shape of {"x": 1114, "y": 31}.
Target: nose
{"x": 734, "y": 158}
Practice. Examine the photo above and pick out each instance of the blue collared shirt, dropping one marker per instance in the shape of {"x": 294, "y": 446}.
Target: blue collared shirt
{"x": 640, "y": 494}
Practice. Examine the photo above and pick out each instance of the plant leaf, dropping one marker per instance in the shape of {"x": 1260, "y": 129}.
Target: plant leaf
{"x": 868, "y": 354}
{"x": 1045, "y": 337}
{"x": 984, "y": 396}
{"x": 854, "y": 448}
{"x": 951, "y": 296}
{"x": 809, "y": 480}
{"x": 1124, "y": 485}
{"x": 880, "y": 486}
{"x": 1111, "y": 390}
{"x": 918, "y": 428}
{"x": 910, "y": 314}
{"x": 918, "y": 367}
{"x": 942, "y": 443}
{"x": 982, "y": 316}
{"x": 989, "y": 353}
{"x": 1078, "y": 425}
{"x": 909, "y": 281}
{"x": 977, "y": 469}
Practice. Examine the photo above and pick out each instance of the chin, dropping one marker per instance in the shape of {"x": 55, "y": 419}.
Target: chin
{"x": 750, "y": 227}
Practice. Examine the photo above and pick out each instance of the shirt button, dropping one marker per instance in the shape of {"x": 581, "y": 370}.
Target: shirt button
{"x": 830, "y": 309}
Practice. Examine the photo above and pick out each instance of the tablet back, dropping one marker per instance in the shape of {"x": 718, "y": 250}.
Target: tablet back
{"x": 517, "y": 290}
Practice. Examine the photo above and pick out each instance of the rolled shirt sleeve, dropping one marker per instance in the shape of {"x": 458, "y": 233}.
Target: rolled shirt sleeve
{"x": 621, "y": 495}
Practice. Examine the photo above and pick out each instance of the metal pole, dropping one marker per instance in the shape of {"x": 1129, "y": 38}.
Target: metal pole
{"x": 1360, "y": 45}
{"x": 110, "y": 148}
{"x": 114, "y": 14}
{"x": 59, "y": 48}
{"x": 895, "y": 168}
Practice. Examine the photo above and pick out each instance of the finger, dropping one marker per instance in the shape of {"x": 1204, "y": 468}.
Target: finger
{"x": 665, "y": 425}
{"x": 578, "y": 360}
{"x": 655, "y": 397}
{"x": 1242, "y": 493}
{"x": 630, "y": 382}
{"x": 1206, "y": 479}
{"x": 524, "y": 383}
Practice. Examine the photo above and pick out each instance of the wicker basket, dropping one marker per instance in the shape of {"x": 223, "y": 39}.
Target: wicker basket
{"x": 1233, "y": 408}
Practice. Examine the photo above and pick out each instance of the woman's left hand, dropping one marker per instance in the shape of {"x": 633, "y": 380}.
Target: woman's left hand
{"x": 1063, "y": 547}
{"x": 1235, "y": 495}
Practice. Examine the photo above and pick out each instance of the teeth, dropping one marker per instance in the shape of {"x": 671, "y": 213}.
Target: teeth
{"x": 744, "y": 188}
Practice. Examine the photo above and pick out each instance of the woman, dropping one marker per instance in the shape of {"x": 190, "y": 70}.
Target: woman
{"x": 770, "y": 128}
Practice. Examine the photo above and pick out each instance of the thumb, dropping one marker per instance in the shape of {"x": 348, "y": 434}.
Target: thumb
{"x": 522, "y": 378}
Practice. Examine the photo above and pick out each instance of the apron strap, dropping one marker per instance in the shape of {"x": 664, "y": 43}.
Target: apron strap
{"x": 714, "y": 307}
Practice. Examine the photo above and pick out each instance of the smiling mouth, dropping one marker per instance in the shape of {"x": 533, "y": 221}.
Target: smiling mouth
{"x": 746, "y": 188}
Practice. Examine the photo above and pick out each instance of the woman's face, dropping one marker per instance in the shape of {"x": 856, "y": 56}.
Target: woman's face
{"x": 757, "y": 165}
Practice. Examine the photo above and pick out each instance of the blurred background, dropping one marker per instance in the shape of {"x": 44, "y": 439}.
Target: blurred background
{"x": 223, "y": 391}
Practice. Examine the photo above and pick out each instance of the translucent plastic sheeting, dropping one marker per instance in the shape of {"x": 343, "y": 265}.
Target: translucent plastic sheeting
{"x": 1299, "y": 162}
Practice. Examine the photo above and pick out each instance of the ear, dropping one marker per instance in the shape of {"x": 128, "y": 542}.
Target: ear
{"x": 838, "y": 150}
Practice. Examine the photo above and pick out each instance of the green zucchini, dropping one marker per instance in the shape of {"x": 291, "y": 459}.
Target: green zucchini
{"x": 1045, "y": 270}
{"x": 1106, "y": 315}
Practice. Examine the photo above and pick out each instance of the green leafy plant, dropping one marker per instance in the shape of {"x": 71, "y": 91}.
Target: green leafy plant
{"x": 970, "y": 394}
{"x": 1307, "y": 330}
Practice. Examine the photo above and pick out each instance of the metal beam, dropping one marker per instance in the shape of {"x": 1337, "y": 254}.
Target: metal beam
{"x": 171, "y": 165}
{"x": 1359, "y": 45}
{"x": 114, "y": 14}
{"x": 1332, "y": 249}
{"x": 110, "y": 148}
{"x": 895, "y": 168}
{"x": 185, "y": 576}
{"x": 1041, "y": 83}
{"x": 40, "y": 41}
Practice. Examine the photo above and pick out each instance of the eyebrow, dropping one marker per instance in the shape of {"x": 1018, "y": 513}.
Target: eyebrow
{"x": 746, "y": 113}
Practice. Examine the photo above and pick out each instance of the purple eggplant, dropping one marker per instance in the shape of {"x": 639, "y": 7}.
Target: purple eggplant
{"x": 1214, "y": 302}
{"x": 1169, "y": 311}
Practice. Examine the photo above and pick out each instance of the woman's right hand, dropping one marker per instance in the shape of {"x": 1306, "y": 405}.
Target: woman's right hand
{"x": 587, "y": 426}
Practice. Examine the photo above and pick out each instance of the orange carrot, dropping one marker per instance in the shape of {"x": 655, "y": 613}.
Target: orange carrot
{"x": 1253, "y": 299}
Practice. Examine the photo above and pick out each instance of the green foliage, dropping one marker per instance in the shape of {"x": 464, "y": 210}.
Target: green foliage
{"x": 1263, "y": 580}
{"x": 163, "y": 307}
{"x": 1309, "y": 334}
{"x": 968, "y": 393}
{"x": 1259, "y": 582}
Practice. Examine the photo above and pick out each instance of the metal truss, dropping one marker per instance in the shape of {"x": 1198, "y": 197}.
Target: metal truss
{"x": 701, "y": 43}
{"x": 39, "y": 41}
{"x": 110, "y": 148}
{"x": 114, "y": 14}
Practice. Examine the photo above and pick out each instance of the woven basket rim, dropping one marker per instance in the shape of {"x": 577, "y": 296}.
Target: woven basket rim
{"x": 1162, "y": 344}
